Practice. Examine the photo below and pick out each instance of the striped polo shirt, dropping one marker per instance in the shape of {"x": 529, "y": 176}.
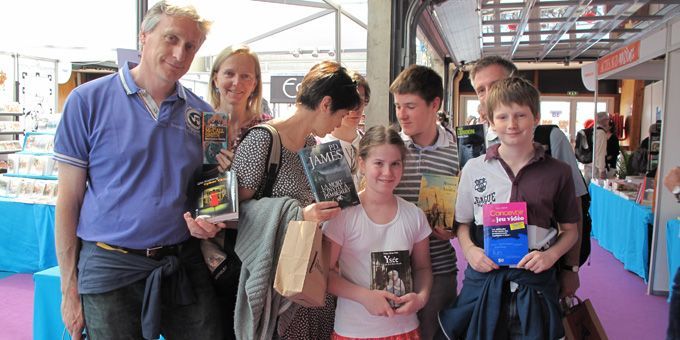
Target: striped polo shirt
{"x": 439, "y": 158}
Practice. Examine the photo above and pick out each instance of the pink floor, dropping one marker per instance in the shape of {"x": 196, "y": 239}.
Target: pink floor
{"x": 618, "y": 296}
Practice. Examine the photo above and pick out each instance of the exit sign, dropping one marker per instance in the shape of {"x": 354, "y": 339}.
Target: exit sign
{"x": 572, "y": 93}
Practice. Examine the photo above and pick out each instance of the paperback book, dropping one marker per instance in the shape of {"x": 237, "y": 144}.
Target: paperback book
{"x": 437, "y": 198}
{"x": 328, "y": 173}
{"x": 471, "y": 142}
{"x": 391, "y": 272}
{"x": 505, "y": 232}
{"x": 213, "y": 135}
{"x": 218, "y": 198}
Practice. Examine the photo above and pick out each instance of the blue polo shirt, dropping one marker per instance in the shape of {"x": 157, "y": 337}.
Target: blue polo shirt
{"x": 140, "y": 169}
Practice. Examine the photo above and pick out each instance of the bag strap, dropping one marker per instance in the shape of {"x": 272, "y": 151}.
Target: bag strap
{"x": 274, "y": 161}
{"x": 542, "y": 136}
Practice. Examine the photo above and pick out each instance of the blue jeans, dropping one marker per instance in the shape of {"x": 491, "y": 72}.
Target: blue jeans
{"x": 674, "y": 310}
{"x": 117, "y": 314}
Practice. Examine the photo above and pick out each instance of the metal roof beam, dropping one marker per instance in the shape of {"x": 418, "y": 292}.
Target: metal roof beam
{"x": 563, "y": 41}
{"x": 572, "y": 31}
{"x": 521, "y": 4}
{"x": 626, "y": 11}
{"x": 289, "y": 26}
{"x": 595, "y": 18}
{"x": 521, "y": 27}
{"x": 571, "y": 14}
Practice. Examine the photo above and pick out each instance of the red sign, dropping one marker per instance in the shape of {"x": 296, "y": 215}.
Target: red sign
{"x": 619, "y": 58}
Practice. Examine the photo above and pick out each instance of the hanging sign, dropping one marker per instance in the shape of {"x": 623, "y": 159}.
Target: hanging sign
{"x": 621, "y": 57}
{"x": 284, "y": 88}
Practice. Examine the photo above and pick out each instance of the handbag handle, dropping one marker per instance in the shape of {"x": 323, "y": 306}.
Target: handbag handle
{"x": 567, "y": 303}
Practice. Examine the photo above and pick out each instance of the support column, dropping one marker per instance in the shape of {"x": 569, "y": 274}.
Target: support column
{"x": 379, "y": 61}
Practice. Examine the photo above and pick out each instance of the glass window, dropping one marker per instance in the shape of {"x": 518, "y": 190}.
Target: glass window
{"x": 557, "y": 113}
{"x": 584, "y": 111}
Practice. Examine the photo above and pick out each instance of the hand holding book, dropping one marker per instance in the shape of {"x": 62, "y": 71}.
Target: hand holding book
{"x": 377, "y": 302}
{"x": 321, "y": 211}
{"x": 538, "y": 261}
{"x": 200, "y": 228}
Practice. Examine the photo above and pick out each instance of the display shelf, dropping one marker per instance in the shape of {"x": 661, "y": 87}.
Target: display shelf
{"x": 11, "y": 113}
{"x": 31, "y": 176}
{"x": 11, "y": 132}
{"x": 5, "y": 152}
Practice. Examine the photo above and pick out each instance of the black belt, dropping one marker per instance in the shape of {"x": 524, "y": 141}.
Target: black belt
{"x": 155, "y": 253}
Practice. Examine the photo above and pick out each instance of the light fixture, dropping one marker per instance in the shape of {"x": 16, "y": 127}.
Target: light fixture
{"x": 296, "y": 52}
{"x": 331, "y": 53}
{"x": 315, "y": 53}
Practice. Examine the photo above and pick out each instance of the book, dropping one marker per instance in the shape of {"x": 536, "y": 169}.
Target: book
{"x": 328, "y": 173}
{"x": 505, "y": 232}
{"x": 391, "y": 271}
{"x": 218, "y": 198}
{"x": 213, "y": 135}
{"x": 437, "y": 198}
{"x": 471, "y": 142}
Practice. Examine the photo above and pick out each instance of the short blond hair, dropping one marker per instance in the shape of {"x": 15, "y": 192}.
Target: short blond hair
{"x": 153, "y": 16}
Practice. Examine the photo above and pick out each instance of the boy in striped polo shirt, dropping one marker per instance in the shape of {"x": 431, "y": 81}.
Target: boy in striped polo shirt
{"x": 418, "y": 93}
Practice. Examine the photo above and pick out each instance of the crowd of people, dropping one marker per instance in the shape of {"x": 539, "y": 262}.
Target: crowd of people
{"x": 136, "y": 264}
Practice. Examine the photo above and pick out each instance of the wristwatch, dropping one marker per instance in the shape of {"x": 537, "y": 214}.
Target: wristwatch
{"x": 568, "y": 268}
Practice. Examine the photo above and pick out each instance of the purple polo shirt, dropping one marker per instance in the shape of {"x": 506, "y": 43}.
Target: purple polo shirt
{"x": 544, "y": 183}
{"x": 140, "y": 169}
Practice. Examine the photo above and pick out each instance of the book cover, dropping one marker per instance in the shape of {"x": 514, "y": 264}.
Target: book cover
{"x": 213, "y": 135}
{"x": 437, "y": 198}
{"x": 218, "y": 198}
{"x": 505, "y": 232}
{"x": 471, "y": 142}
{"x": 328, "y": 173}
{"x": 391, "y": 271}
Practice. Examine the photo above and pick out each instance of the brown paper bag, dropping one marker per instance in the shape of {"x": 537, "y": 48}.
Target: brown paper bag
{"x": 581, "y": 322}
{"x": 303, "y": 265}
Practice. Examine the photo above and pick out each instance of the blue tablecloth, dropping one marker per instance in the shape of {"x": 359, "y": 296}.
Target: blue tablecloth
{"x": 673, "y": 249}
{"x": 26, "y": 237}
{"x": 47, "y": 322}
{"x": 621, "y": 227}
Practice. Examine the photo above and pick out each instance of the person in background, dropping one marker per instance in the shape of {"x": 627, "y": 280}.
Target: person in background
{"x": 502, "y": 302}
{"x": 672, "y": 183}
{"x": 483, "y": 75}
{"x": 382, "y": 222}
{"x": 613, "y": 149}
{"x": 418, "y": 93}
{"x": 601, "y": 137}
{"x": 325, "y": 96}
{"x": 129, "y": 147}
{"x": 235, "y": 88}
{"x": 348, "y": 132}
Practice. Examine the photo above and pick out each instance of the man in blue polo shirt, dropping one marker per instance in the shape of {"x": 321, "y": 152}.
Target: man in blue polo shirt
{"x": 129, "y": 149}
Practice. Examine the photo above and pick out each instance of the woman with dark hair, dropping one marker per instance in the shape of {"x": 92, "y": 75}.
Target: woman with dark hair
{"x": 326, "y": 95}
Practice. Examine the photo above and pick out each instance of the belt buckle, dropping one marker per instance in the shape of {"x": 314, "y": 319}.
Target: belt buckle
{"x": 153, "y": 252}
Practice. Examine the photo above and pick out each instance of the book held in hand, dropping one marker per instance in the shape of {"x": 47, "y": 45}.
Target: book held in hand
{"x": 505, "y": 232}
{"x": 218, "y": 198}
{"x": 213, "y": 135}
{"x": 328, "y": 173}
{"x": 471, "y": 142}
{"x": 437, "y": 198}
{"x": 391, "y": 271}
